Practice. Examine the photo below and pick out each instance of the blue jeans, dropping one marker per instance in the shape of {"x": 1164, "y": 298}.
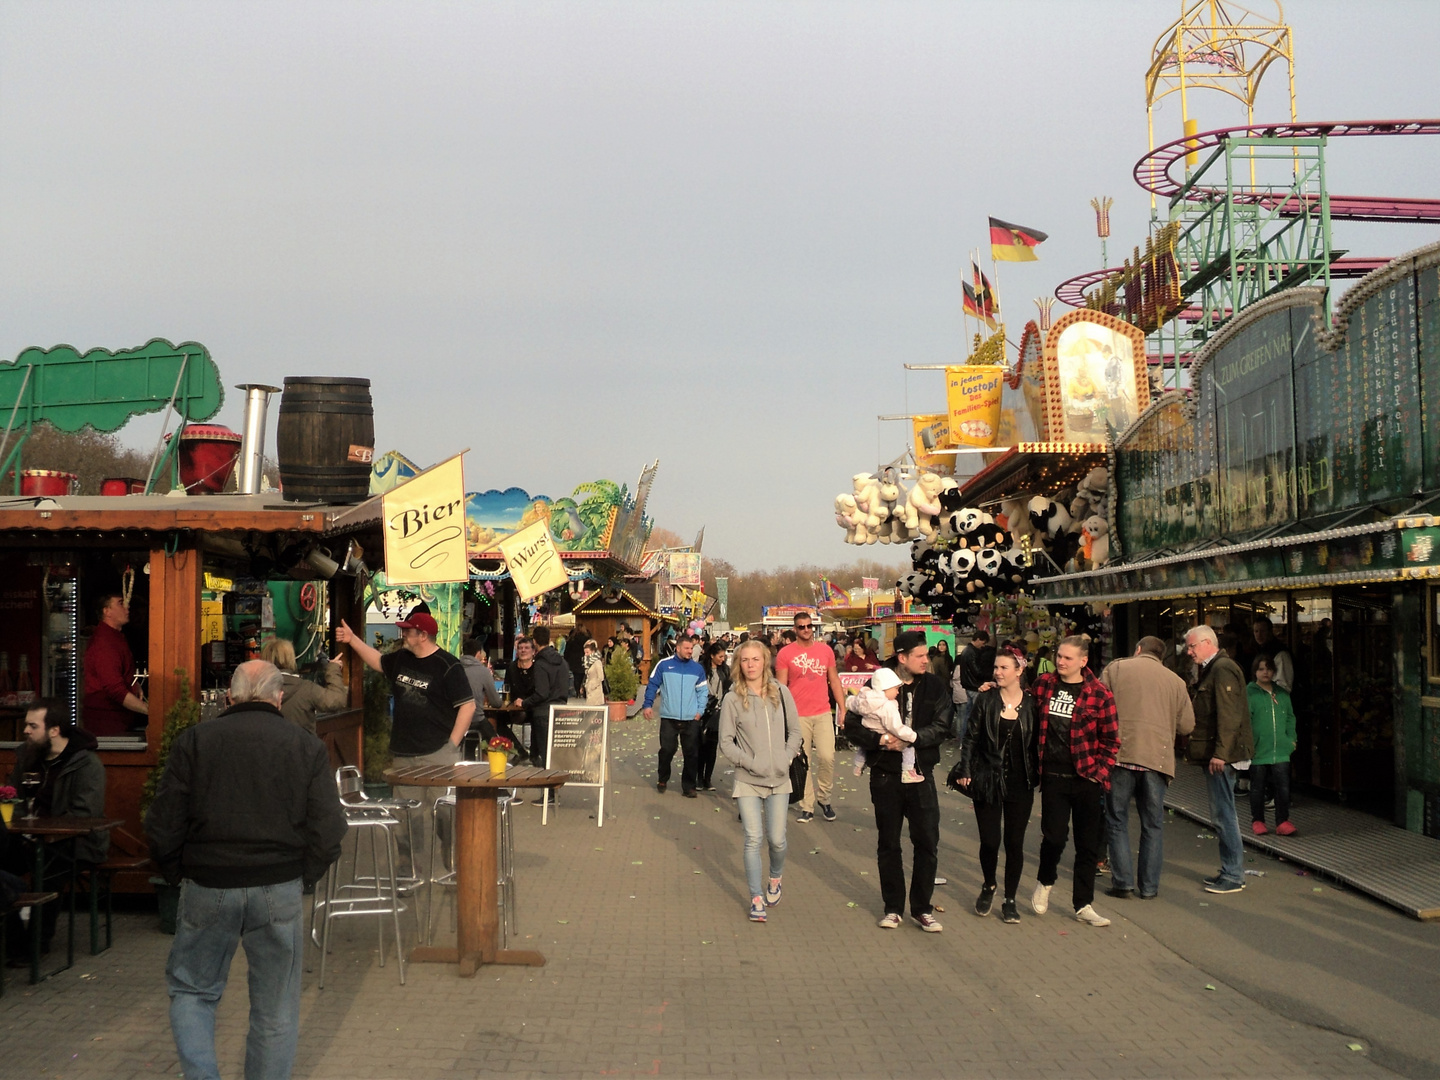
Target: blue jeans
{"x": 267, "y": 918}
{"x": 1226, "y": 824}
{"x": 767, "y": 814}
{"x": 1148, "y": 790}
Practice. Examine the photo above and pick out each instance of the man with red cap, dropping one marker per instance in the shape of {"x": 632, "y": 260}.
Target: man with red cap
{"x": 433, "y": 707}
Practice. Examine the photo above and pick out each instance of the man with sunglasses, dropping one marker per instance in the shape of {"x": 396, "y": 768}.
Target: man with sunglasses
{"x": 808, "y": 668}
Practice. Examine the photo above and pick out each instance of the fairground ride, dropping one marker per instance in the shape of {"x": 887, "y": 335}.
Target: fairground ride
{"x": 1250, "y": 214}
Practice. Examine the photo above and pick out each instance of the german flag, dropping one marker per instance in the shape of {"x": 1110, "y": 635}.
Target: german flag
{"x": 984, "y": 294}
{"x": 973, "y": 306}
{"x": 1014, "y": 243}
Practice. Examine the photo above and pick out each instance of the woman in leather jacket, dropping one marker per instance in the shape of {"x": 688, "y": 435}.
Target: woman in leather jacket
{"x": 999, "y": 769}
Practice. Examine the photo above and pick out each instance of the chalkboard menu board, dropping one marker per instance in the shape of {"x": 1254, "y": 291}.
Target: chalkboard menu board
{"x": 578, "y": 742}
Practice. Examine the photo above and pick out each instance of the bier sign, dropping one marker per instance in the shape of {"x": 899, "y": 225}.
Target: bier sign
{"x": 425, "y": 527}
{"x": 579, "y": 744}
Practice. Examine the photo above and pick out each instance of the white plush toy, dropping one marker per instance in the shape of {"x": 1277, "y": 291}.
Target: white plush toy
{"x": 1017, "y": 517}
{"x": 892, "y": 525}
{"x": 922, "y": 503}
{"x": 867, "y": 501}
{"x": 1095, "y": 541}
{"x": 846, "y": 516}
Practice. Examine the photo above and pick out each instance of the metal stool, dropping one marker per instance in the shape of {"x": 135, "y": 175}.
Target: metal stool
{"x": 351, "y": 783}
{"x": 379, "y": 893}
{"x": 509, "y": 917}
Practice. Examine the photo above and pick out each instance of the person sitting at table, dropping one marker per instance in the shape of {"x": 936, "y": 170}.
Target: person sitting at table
{"x": 71, "y": 784}
{"x": 304, "y": 698}
{"x": 112, "y": 704}
{"x": 475, "y": 661}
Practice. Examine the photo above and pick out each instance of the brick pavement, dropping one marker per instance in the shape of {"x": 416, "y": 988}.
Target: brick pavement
{"x": 655, "y": 971}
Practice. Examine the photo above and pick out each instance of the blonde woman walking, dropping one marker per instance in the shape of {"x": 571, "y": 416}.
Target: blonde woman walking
{"x": 754, "y": 718}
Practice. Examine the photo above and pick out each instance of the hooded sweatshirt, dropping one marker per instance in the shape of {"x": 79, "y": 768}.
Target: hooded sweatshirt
{"x": 552, "y": 681}
{"x": 755, "y": 741}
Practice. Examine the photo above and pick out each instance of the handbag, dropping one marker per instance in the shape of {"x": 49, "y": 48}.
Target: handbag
{"x": 799, "y": 764}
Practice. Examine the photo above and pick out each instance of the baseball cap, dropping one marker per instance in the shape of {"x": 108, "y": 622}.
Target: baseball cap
{"x": 907, "y": 640}
{"x": 884, "y": 679}
{"x": 420, "y": 620}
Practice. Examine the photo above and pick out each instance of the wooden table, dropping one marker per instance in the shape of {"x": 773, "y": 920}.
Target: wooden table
{"x": 477, "y": 908}
{"x": 55, "y": 830}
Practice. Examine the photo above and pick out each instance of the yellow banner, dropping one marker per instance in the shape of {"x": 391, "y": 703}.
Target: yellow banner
{"x": 935, "y": 428}
{"x": 425, "y": 527}
{"x": 533, "y": 560}
{"x": 972, "y": 392}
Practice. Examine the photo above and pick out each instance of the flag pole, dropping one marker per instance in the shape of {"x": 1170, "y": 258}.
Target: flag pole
{"x": 994, "y": 269}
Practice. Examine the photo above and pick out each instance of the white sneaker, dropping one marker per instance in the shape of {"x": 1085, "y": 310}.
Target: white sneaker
{"x": 1040, "y": 899}
{"x": 889, "y": 922}
{"x": 1091, "y": 917}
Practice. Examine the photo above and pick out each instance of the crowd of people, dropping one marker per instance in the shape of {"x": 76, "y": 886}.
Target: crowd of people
{"x": 1089, "y": 743}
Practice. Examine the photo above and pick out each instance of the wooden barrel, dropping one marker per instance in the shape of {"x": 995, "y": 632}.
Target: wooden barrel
{"x": 326, "y": 424}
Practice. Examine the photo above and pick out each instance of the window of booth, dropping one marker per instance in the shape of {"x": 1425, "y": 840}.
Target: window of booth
{"x": 1432, "y": 634}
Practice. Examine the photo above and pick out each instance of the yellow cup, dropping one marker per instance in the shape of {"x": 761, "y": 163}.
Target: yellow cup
{"x": 7, "y": 811}
{"x": 498, "y": 760}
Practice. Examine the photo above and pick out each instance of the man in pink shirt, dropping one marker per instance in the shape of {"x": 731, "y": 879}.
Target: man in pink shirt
{"x": 807, "y": 667}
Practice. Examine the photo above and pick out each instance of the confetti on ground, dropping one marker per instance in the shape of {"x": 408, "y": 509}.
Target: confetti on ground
{"x": 699, "y": 871}
{"x": 1355, "y": 1046}
{"x": 816, "y": 851}
{"x": 1317, "y": 889}
{"x": 563, "y": 922}
{"x": 850, "y": 904}
{"x": 638, "y": 862}
{"x": 1209, "y": 986}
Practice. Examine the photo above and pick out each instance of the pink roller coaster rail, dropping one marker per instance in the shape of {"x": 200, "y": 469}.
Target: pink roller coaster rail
{"x": 1153, "y": 173}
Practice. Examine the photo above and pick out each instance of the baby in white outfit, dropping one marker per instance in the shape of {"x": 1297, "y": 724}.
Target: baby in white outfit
{"x": 876, "y": 706}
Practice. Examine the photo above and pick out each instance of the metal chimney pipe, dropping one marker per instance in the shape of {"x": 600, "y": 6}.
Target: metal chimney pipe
{"x": 252, "y": 437}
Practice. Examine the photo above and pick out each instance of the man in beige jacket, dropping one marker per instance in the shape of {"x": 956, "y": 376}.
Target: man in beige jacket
{"x": 1153, "y": 706}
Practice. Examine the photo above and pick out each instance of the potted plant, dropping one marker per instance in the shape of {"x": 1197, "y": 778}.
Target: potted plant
{"x": 7, "y": 803}
{"x": 497, "y": 752}
{"x": 185, "y": 713}
{"x": 623, "y": 682}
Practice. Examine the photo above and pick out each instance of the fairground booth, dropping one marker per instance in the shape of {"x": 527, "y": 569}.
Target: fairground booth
{"x": 223, "y": 560}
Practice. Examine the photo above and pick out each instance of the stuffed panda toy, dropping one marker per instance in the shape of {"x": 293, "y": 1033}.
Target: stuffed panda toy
{"x": 1048, "y": 517}
{"x": 990, "y": 535}
{"x": 990, "y": 565}
{"x": 968, "y": 525}
{"x": 913, "y": 583}
{"x": 950, "y": 504}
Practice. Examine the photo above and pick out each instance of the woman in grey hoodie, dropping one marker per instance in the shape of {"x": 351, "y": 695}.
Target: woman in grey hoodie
{"x": 760, "y": 735}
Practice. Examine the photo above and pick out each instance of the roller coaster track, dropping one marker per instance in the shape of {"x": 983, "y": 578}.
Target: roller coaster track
{"x": 1072, "y": 292}
{"x": 1153, "y": 171}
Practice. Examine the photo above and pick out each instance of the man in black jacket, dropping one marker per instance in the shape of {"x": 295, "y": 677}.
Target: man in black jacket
{"x": 977, "y": 667}
{"x": 552, "y": 687}
{"x": 246, "y": 815}
{"x": 925, "y": 706}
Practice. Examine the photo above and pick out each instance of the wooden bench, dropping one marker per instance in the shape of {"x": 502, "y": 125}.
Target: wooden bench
{"x": 34, "y": 901}
{"x": 100, "y": 879}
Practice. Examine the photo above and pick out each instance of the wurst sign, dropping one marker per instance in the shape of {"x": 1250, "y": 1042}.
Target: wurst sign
{"x": 533, "y": 560}
{"x": 425, "y": 527}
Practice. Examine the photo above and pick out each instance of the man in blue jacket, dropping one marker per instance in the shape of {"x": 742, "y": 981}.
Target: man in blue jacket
{"x": 680, "y": 681}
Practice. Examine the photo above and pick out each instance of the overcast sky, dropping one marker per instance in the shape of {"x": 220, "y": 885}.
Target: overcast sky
{"x": 577, "y": 237}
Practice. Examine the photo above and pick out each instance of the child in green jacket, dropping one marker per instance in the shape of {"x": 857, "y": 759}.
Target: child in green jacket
{"x": 1272, "y": 722}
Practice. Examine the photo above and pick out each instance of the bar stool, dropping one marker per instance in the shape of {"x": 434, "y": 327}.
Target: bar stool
{"x": 352, "y": 792}
{"x": 378, "y": 894}
{"x": 509, "y": 917}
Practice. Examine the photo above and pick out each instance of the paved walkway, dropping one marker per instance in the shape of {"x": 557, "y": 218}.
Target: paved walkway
{"x": 654, "y": 971}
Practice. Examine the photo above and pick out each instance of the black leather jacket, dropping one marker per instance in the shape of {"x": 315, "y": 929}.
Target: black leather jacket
{"x": 980, "y": 753}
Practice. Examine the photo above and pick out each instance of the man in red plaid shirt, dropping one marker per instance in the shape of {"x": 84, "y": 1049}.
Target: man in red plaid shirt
{"x": 1079, "y": 738}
